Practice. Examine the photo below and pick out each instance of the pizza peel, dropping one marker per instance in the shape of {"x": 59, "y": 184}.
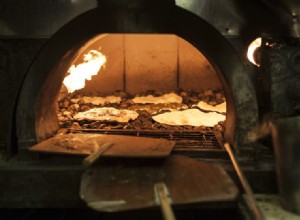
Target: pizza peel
{"x": 114, "y": 185}
{"x": 122, "y": 145}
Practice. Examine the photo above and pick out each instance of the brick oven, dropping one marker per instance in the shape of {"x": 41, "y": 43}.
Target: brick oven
{"x": 194, "y": 50}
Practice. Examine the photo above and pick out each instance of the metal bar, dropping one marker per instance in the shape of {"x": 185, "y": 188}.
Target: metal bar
{"x": 165, "y": 131}
{"x": 187, "y": 139}
{"x": 162, "y": 195}
{"x": 89, "y": 160}
{"x": 249, "y": 194}
{"x": 219, "y": 137}
{"x": 168, "y": 134}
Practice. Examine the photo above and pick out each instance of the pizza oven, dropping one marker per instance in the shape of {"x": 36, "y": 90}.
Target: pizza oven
{"x": 163, "y": 71}
{"x": 138, "y": 76}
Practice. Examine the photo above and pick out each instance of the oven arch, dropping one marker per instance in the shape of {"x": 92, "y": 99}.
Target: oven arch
{"x": 35, "y": 104}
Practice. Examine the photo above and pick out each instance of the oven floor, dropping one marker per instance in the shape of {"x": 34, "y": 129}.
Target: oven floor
{"x": 53, "y": 183}
{"x": 269, "y": 204}
{"x": 74, "y": 214}
{"x": 271, "y": 209}
{"x": 27, "y": 188}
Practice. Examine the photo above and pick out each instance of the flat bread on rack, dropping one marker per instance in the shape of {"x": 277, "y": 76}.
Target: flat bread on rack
{"x": 193, "y": 117}
{"x": 107, "y": 114}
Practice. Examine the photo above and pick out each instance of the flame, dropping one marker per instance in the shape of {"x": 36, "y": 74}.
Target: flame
{"x": 251, "y": 49}
{"x": 93, "y": 61}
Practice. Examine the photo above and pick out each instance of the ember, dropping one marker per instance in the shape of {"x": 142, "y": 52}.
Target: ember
{"x": 208, "y": 103}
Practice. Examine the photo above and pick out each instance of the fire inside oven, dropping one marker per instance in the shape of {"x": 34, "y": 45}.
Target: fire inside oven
{"x": 144, "y": 85}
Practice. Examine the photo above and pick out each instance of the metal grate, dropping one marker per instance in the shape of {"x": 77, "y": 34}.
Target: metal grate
{"x": 183, "y": 139}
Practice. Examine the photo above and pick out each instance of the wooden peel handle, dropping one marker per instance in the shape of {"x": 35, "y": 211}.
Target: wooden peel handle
{"x": 89, "y": 160}
{"x": 162, "y": 194}
{"x": 249, "y": 194}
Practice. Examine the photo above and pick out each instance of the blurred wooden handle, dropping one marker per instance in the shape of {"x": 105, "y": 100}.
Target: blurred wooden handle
{"x": 163, "y": 198}
{"x": 89, "y": 160}
{"x": 249, "y": 194}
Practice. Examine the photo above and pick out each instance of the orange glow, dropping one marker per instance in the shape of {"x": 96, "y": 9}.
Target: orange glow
{"x": 251, "y": 49}
{"x": 93, "y": 61}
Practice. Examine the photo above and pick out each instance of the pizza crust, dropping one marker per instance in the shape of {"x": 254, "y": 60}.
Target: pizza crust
{"x": 193, "y": 117}
{"x": 107, "y": 114}
{"x": 156, "y": 108}
{"x": 167, "y": 98}
{"x": 101, "y": 100}
{"x": 221, "y": 108}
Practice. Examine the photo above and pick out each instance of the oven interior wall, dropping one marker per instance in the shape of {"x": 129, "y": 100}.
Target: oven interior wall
{"x": 137, "y": 63}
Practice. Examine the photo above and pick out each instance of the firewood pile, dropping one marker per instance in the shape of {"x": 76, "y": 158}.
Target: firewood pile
{"x": 71, "y": 104}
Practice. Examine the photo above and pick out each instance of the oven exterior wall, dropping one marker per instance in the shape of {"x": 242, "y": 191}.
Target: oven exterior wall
{"x": 16, "y": 56}
{"x": 32, "y": 18}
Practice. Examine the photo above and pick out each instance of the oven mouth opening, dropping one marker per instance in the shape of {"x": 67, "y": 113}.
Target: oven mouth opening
{"x": 146, "y": 85}
{"x": 36, "y": 112}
